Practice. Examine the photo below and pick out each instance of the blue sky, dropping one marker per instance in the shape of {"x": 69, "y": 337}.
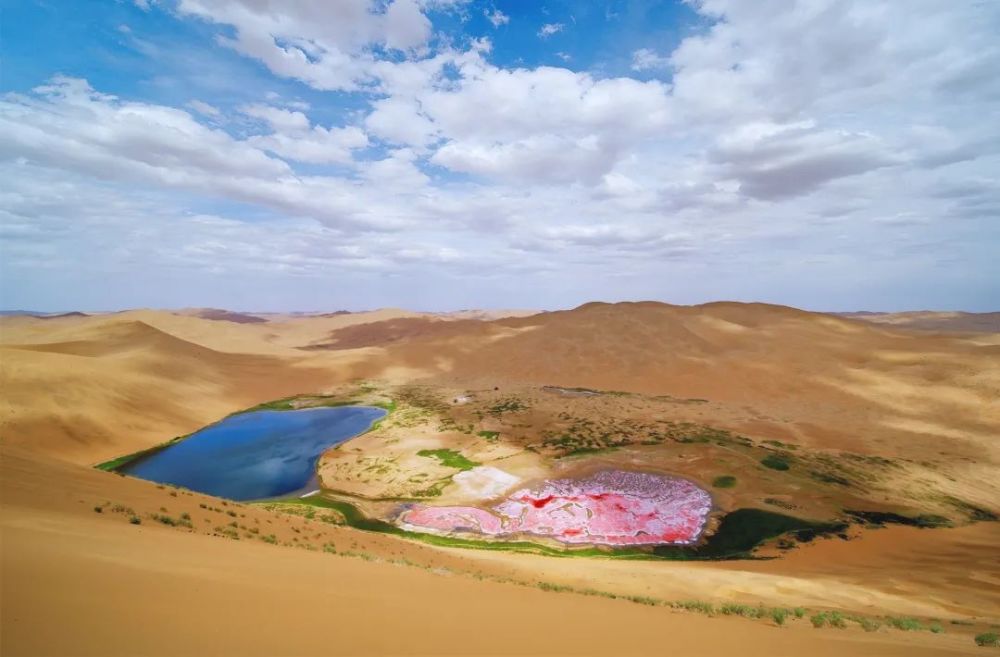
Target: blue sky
{"x": 444, "y": 154}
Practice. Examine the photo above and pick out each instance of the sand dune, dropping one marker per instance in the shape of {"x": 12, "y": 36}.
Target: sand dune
{"x": 81, "y": 389}
{"x": 937, "y": 321}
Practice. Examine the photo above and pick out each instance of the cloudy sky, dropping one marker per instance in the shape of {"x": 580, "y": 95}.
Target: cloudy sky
{"x": 445, "y": 154}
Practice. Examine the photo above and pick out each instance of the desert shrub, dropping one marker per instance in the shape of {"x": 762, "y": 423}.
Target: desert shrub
{"x": 185, "y": 516}
{"x": 695, "y": 605}
{"x": 818, "y": 620}
{"x": 725, "y": 481}
{"x": 775, "y": 462}
{"x": 730, "y": 609}
{"x": 166, "y": 520}
{"x": 448, "y": 458}
{"x": 837, "y": 620}
{"x": 135, "y": 520}
{"x": 778, "y": 615}
{"x": 270, "y": 538}
{"x": 98, "y": 509}
{"x": 935, "y": 628}
{"x": 869, "y": 624}
{"x": 904, "y": 623}
{"x": 988, "y": 639}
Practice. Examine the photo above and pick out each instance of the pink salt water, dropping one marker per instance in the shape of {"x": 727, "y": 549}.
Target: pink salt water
{"x": 613, "y": 507}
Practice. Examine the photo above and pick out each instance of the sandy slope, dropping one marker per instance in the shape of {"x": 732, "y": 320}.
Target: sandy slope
{"x": 80, "y": 583}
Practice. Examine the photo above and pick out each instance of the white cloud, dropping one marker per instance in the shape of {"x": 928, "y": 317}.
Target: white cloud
{"x": 316, "y": 146}
{"x": 204, "y": 108}
{"x": 496, "y": 17}
{"x": 645, "y": 59}
{"x": 280, "y": 120}
{"x": 822, "y": 141}
{"x": 549, "y": 29}
{"x": 323, "y": 44}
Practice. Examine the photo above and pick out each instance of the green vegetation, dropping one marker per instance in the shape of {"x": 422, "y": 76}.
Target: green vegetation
{"x": 883, "y": 518}
{"x": 116, "y": 463}
{"x": 135, "y": 520}
{"x": 904, "y": 623}
{"x": 509, "y": 405}
{"x": 974, "y": 513}
{"x": 725, "y": 481}
{"x": 744, "y": 529}
{"x": 582, "y": 435}
{"x": 778, "y": 615}
{"x": 746, "y": 611}
{"x": 695, "y": 605}
{"x": 490, "y": 436}
{"x": 449, "y": 458}
{"x": 988, "y": 640}
{"x": 776, "y": 462}
{"x": 173, "y": 522}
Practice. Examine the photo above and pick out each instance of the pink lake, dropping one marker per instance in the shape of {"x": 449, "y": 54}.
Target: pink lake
{"x": 613, "y": 507}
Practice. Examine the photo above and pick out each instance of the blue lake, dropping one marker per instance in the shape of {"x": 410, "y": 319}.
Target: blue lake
{"x": 255, "y": 455}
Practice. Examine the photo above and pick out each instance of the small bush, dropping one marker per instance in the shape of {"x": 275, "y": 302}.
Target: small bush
{"x": 775, "y": 462}
{"x": 988, "y": 639}
{"x": 935, "y": 628}
{"x": 837, "y": 620}
{"x": 98, "y": 509}
{"x": 799, "y": 612}
{"x": 904, "y": 623}
{"x": 869, "y": 624}
{"x": 746, "y": 611}
{"x": 135, "y": 520}
{"x": 779, "y": 615}
{"x": 695, "y": 605}
{"x": 818, "y": 620}
{"x": 725, "y": 481}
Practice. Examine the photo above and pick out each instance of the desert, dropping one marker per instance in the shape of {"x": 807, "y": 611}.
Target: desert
{"x": 801, "y": 505}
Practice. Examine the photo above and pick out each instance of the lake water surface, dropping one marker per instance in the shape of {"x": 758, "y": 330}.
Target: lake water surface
{"x": 255, "y": 455}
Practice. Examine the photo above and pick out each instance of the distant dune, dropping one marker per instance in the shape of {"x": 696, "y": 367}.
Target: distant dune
{"x": 928, "y": 320}
{"x": 223, "y": 315}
